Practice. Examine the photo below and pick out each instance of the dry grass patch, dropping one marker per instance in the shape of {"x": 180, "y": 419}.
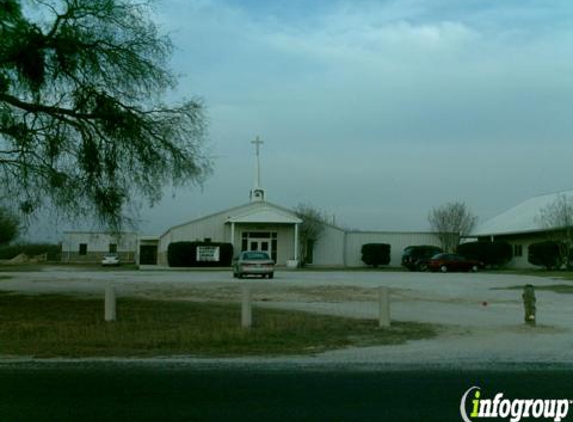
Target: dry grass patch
{"x": 61, "y": 326}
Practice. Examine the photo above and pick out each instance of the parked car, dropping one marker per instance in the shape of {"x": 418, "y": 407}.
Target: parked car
{"x": 416, "y": 258}
{"x": 110, "y": 260}
{"x": 254, "y": 263}
{"x": 445, "y": 262}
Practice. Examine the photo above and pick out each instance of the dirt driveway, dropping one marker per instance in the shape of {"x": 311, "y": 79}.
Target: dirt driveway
{"x": 480, "y": 316}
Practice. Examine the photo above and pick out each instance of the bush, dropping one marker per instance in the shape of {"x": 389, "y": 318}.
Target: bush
{"x": 184, "y": 254}
{"x": 53, "y": 251}
{"x": 376, "y": 254}
{"x": 547, "y": 254}
{"x": 492, "y": 254}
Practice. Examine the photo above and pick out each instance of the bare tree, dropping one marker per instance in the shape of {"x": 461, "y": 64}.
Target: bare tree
{"x": 82, "y": 122}
{"x": 450, "y": 222}
{"x": 557, "y": 218}
{"x": 310, "y": 230}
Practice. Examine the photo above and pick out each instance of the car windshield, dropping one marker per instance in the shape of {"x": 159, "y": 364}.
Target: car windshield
{"x": 255, "y": 255}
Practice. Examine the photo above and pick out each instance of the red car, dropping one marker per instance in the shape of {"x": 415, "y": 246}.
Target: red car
{"x": 445, "y": 262}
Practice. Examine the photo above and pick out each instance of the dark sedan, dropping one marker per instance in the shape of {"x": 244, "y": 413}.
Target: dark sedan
{"x": 445, "y": 262}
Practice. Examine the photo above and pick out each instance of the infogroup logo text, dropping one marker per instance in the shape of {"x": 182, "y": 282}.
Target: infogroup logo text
{"x": 515, "y": 410}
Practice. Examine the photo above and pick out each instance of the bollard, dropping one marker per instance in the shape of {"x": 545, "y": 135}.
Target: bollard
{"x": 384, "y": 307}
{"x": 246, "y": 309}
{"x": 529, "y": 304}
{"x": 110, "y": 303}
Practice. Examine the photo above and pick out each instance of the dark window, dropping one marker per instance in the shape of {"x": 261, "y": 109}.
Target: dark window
{"x": 259, "y": 235}
{"x": 255, "y": 255}
{"x": 274, "y": 250}
{"x": 309, "y": 251}
{"x": 113, "y": 248}
{"x": 244, "y": 245}
{"x": 83, "y": 248}
{"x": 148, "y": 255}
{"x": 207, "y": 239}
{"x": 517, "y": 250}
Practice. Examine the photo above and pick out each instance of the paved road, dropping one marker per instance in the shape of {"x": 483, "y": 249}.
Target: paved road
{"x": 179, "y": 392}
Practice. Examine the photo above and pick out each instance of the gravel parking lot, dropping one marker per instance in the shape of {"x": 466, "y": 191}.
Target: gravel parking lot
{"x": 482, "y": 320}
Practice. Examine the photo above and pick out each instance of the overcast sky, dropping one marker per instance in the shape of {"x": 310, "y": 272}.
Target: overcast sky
{"x": 376, "y": 111}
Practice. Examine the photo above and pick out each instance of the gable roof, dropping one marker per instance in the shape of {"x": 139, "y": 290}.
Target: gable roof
{"x": 242, "y": 210}
{"x": 523, "y": 218}
{"x": 266, "y": 215}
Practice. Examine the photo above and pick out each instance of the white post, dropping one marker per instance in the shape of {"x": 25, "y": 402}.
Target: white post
{"x": 233, "y": 234}
{"x": 384, "y": 307}
{"x": 296, "y": 242}
{"x": 110, "y": 303}
{"x": 246, "y": 309}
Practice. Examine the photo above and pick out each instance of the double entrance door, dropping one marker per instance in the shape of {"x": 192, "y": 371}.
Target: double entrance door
{"x": 260, "y": 241}
{"x": 260, "y": 245}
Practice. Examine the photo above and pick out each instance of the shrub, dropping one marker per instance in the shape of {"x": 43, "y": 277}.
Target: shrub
{"x": 492, "y": 254}
{"x": 547, "y": 254}
{"x": 53, "y": 251}
{"x": 184, "y": 254}
{"x": 376, "y": 254}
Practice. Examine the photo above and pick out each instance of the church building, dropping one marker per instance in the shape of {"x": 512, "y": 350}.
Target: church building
{"x": 260, "y": 225}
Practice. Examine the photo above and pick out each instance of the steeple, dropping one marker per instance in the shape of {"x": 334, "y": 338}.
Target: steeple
{"x": 257, "y": 193}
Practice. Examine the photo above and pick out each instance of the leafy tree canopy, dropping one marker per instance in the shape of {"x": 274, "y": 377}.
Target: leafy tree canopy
{"x": 9, "y": 226}
{"x": 82, "y": 123}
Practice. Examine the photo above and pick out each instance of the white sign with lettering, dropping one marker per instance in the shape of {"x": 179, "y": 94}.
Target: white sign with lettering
{"x": 207, "y": 253}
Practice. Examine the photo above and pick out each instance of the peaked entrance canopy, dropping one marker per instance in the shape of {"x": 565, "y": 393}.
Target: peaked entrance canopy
{"x": 265, "y": 215}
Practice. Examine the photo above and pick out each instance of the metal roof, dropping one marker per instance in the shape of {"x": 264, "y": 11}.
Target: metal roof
{"x": 523, "y": 218}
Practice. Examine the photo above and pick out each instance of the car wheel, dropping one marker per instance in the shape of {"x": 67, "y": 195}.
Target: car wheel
{"x": 423, "y": 267}
{"x": 475, "y": 269}
{"x": 271, "y": 275}
{"x": 239, "y": 275}
{"x": 444, "y": 269}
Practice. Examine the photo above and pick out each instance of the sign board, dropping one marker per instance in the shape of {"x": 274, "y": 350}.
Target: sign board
{"x": 207, "y": 253}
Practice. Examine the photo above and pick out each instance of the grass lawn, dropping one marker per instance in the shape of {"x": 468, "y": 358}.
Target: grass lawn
{"x": 537, "y": 272}
{"x": 556, "y": 288}
{"x": 61, "y": 326}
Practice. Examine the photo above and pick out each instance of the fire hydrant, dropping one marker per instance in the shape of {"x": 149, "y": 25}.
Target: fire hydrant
{"x": 529, "y": 304}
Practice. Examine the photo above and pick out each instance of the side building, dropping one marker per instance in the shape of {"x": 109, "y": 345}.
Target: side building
{"x": 522, "y": 225}
{"x": 85, "y": 246}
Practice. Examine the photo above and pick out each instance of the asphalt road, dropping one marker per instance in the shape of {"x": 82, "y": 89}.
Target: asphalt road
{"x": 178, "y": 392}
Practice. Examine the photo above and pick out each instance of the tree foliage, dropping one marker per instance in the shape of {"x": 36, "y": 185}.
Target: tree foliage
{"x": 492, "y": 254}
{"x": 9, "y": 226}
{"x": 82, "y": 123}
{"x": 557, "y": 218}
{"x": 451, "y": 221}
{"x": 375, "y": 254}
{"x": 548, "y": 254}
{"x": 311, "y": 228}
{"x": 184, "y": 254}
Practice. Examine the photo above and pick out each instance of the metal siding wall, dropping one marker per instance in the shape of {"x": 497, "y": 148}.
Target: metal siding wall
{"x": 97, "y": 246}
{"x": 329, "y": 249}
{"x": 98, "y": 242}
{"x": 397, "y": 241}
{"x": 213, "y": 227}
